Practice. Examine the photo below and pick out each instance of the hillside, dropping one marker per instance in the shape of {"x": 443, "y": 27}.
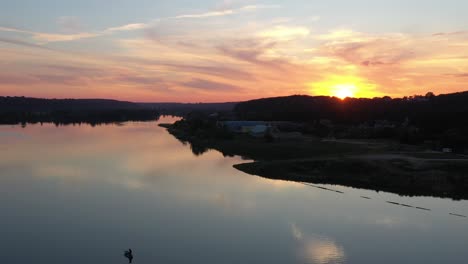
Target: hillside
{"x": 28, "y": 104}
{"x": 445, "y": 110}
{"x": 23, "y": 110}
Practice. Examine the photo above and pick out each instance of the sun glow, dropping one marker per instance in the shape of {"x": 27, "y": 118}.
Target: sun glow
{"x": 343, "y": 90}
{"x": 344, "y": 86}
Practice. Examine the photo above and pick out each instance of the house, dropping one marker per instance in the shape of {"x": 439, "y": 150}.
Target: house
{"x": 447, "y": 150}
{"x": 246, "y": 127}
{"x": 259, "y": 130}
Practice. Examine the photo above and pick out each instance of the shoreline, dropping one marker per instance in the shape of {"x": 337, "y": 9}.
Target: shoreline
{"x": 394, "y": 168}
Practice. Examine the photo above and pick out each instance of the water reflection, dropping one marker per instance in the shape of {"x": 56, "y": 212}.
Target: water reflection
{"x": 100, "y": 190}
{"x": 316, "y": 250}
{"x": 323, "y": 252}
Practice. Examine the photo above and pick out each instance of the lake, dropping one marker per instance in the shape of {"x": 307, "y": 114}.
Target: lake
{"x": 83, "y": 194}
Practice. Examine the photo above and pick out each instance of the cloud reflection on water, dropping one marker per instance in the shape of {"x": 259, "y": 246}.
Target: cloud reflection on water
{"x": 317, "y": 250}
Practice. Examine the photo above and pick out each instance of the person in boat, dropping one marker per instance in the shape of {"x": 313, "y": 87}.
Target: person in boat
{"x": 128, "y": 254}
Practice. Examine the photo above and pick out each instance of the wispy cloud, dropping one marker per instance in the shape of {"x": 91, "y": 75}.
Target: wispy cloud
{"x": 27, "y": 79}
{"x": 22, "y": 43}
{"x": 128, "y": 27}
{"x": 211, "y": 85}
{"x": 460, "y": 75}
{"x": 253, "y": 51}
{"x": 222, "y": 71}
{"x": 451, "y": 33}
{"x": 227, "y": 12}
{"x": 207, "y": 14}
{"x": 60, "y": 79}
{"x": 42, "y": 37}
{"x": 47, "y": 37}
{"x": 15, "y": 79}
{"x": 285, "y": 33}
{"x": 9, "y": 29}
{"x": 366, "y": 50}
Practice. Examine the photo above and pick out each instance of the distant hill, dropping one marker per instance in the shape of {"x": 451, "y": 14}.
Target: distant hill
{"x": 443, "y": 109}
{"x": 23, "y": 110}
{"x": 13, "y": 104}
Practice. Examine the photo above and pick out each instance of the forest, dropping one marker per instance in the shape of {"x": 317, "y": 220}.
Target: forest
{"x": 440, "y": 121}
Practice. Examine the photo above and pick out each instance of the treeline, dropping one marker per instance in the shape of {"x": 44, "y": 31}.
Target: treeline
{"x": 441, "y": 119}
{"x": 23, "y": 110}
{"x": 28, "y": 104}
{"x": 420, "y": 109}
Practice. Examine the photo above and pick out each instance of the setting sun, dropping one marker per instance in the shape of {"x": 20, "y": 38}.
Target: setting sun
{"x": 343, "y": 90}
{"x": 344, "y": 86}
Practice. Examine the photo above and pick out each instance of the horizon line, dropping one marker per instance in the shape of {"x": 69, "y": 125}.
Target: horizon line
{"x": 214, "y": 102}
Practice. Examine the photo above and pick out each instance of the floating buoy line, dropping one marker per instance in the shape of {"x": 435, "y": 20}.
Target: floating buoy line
{"x": 369, "y": 198}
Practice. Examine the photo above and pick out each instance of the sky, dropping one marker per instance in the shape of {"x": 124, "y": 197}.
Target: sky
{"x": 231, "y": 50}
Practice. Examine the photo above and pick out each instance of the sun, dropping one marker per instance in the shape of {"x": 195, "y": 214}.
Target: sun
{"x": 342, "y": 86}
{"x": 343, "y": 91}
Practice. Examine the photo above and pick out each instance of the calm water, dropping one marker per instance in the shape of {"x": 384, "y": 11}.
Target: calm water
{"x": 79, "y": 194}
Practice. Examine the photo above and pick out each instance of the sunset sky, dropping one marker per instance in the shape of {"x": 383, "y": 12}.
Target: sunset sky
{"x": 207, "y": 51}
